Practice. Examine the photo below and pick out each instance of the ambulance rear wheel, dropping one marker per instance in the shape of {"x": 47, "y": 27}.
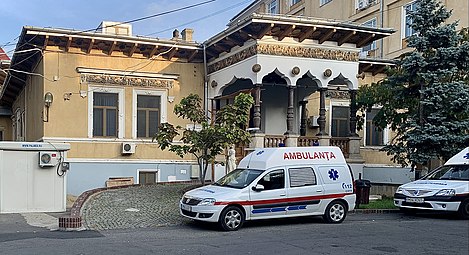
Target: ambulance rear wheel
{"x": 336, "y": 212}
{"x": 231, "y": 218}
{"x": 464, "y": 209}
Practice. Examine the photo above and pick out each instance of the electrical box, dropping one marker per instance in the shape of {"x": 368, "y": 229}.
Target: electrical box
{"x": 313, "y": 121}
{"x": 48, "y": 159}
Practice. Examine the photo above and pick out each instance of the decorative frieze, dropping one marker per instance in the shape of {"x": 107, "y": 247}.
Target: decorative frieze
{"x": 284, "y": 50}
{"x": 120, "y": 80}
{"x": 238, "y": 57}
{"x": 336, "y": 94}
{"x": 303, "y": 52}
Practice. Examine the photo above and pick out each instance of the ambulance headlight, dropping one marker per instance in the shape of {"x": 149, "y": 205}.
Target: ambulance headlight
{"x": 207, "y": 201}
{"x": 446, "y": 192}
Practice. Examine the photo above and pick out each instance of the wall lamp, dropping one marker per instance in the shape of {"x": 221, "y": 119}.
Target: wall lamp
{"x": 48, "y": 99}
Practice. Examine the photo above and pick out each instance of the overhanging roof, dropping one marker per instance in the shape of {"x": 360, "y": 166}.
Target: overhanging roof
{"x": 374, "y": 65}
{"x": 34, "y": 40}
{"x": 256, "y": 26}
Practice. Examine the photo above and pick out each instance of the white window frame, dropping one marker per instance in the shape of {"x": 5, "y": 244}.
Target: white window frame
{"x": 404, "y": 20}
{"x": 365, "y": 129}
{"x": 373, "y": 44}
{"x": 323, "y": 2}
{"x": 271, "y": 5}
{"x": 163, "y": 94}
{"x": 120, "y": 110}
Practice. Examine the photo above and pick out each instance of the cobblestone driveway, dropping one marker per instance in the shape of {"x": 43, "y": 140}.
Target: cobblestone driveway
{"x": 134, "y": 207}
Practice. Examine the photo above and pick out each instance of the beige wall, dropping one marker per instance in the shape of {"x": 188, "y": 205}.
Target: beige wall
{"x": 5, "y": 127}
{"x": 68, "y": 119}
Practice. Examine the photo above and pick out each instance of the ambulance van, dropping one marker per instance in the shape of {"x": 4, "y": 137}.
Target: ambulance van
{"x": 444, "y": 189}
{"x": 276, "y": 183}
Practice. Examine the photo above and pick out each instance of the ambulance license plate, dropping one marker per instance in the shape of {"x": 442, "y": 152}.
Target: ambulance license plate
{"x": 186, "y": 207}
{"x": 414, "y": 200}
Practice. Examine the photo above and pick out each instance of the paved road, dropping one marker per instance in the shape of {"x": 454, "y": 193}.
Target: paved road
{"x": 358, "y": 234}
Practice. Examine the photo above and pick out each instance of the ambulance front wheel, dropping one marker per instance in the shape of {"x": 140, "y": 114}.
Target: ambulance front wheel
{"x": 464, "y": 209}
{"x": 231, "y": 218}
{"x": 336, "y": 212}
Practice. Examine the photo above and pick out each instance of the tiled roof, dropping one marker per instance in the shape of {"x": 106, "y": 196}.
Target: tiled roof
{"x": 3, "y": 56}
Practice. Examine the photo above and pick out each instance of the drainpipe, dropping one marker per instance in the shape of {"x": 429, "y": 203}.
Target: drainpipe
{"x": 381, "y": 10}
{"x": 205, "y": 82}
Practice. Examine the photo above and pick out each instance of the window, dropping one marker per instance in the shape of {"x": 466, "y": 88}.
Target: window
{"x": 147, "y": 177}
{"x": 19, "y": 127}
{"x": 340, "y": 121}
{"x": 273, "y": 180}
{"x": 408, "y": 9}
{"x": 371, "y": 46}
{"x": 300, "y": 177}
{"x": 148, "y": 115}
{"x": 293, "y": 2}
{"x": 1, "y": 135}
{"x": 323, "y": 2}
{"x": 105, "y": 110}
{"x": 149, "y": 112}
{"x": 272, "y": 7}
{"x": 374, "y": 136}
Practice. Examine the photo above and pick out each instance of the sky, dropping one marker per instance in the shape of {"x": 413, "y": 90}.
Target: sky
{"x": 88, "y": 14}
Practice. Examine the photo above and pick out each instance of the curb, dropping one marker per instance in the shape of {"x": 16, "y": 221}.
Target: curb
{"x": 374, "y": 211}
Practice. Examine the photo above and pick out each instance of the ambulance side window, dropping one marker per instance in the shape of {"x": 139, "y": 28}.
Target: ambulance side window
{"x": 273, "y": 180}
{"x": 304, "y": 176}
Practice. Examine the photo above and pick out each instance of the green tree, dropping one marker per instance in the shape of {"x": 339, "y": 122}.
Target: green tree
{"x": 425, "y": 98}
{"x": 212, "y": 138}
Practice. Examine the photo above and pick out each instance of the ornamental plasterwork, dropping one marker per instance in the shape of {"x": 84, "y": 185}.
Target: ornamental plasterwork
{"x": 337, "y": 94}
{"x": 125, "y": 80}
{"x": 284, "y": 50}
{"x": 238, "y": 57}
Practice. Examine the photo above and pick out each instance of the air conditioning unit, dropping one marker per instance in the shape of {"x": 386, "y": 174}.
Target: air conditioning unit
{"x": 48, "y": 159}
{"x": 313, "y": 121}
{"x": 128, "y": 148}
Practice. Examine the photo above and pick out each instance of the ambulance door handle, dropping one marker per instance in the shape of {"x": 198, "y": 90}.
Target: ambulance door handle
{"x": 282, "y": 195}
{"x": 319, "y": 190}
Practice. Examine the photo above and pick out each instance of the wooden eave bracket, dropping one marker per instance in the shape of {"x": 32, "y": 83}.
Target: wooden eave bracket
{"x": 88, "y": 51}
{"x": 346, "y": 38}
{"x": 133, "y": 49}
{"x": 192, "y": 55}
{"x": 327, "y": 36}
{"x": 307, "y": 34}
{"x": 264, "y": 31}
{"x": 286, "y": 32}
{"x": 366, "y": 40}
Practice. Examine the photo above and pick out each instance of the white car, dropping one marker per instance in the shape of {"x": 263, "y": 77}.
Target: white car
{"x": 276, "y": 183}
{"x": 444, "y": 189}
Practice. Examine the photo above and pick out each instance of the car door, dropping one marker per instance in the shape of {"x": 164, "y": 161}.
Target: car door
{"x": 271, "y": 201}
{"x": 304, "y": 191}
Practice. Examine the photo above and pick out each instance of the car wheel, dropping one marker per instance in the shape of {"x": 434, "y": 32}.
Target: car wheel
{"x": 336, "y": 212}
{"x": 231, "y": 218}
{"x": 463, "y": 210}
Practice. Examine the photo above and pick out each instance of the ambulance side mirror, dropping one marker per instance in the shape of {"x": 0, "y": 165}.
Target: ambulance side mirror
{"x": 258, "y": 187}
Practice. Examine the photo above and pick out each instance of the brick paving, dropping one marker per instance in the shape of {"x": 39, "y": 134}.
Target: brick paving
{"x": 134, "y": 207}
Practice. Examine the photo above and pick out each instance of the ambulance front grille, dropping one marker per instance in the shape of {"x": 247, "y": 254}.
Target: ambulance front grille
{"x": 191, "y": 201}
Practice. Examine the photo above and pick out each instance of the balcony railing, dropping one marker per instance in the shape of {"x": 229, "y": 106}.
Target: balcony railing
{"x": 274, "y": 140}
{"x": 342, "y": 143}
{"x": 305, "y": 141}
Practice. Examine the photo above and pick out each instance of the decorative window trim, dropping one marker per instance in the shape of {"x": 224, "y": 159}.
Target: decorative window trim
{"x": 120, "y": 110}
{"x": 163, "y": 94}
{"x": 365, "y": 130}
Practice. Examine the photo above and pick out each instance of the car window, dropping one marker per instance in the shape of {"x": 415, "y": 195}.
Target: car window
{"x": 304, "y": 176}
{"x": 451, "y": 172}
{"x": 273, "y": 180}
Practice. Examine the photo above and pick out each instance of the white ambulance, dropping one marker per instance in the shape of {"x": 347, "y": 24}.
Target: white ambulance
{"x": 444, "y": 189}
{"x": 276, "y": 183}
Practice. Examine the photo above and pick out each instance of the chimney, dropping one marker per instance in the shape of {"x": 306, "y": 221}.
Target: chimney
{"x": 187, "y": 34}
{"x": 175, "y": 34}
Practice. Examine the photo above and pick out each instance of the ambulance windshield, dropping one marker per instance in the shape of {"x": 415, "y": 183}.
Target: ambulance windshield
{"x": 238, "y": 178}
{"x": 450, "y": 172}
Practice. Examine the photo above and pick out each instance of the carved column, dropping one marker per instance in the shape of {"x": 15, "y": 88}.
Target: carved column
{"x": 303, "y": 118}
{"x": 353, "y": 113}
{"x": 322, "y": 112}
{"x": 257, "y": 107}
{"x": 290, "y": 109}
